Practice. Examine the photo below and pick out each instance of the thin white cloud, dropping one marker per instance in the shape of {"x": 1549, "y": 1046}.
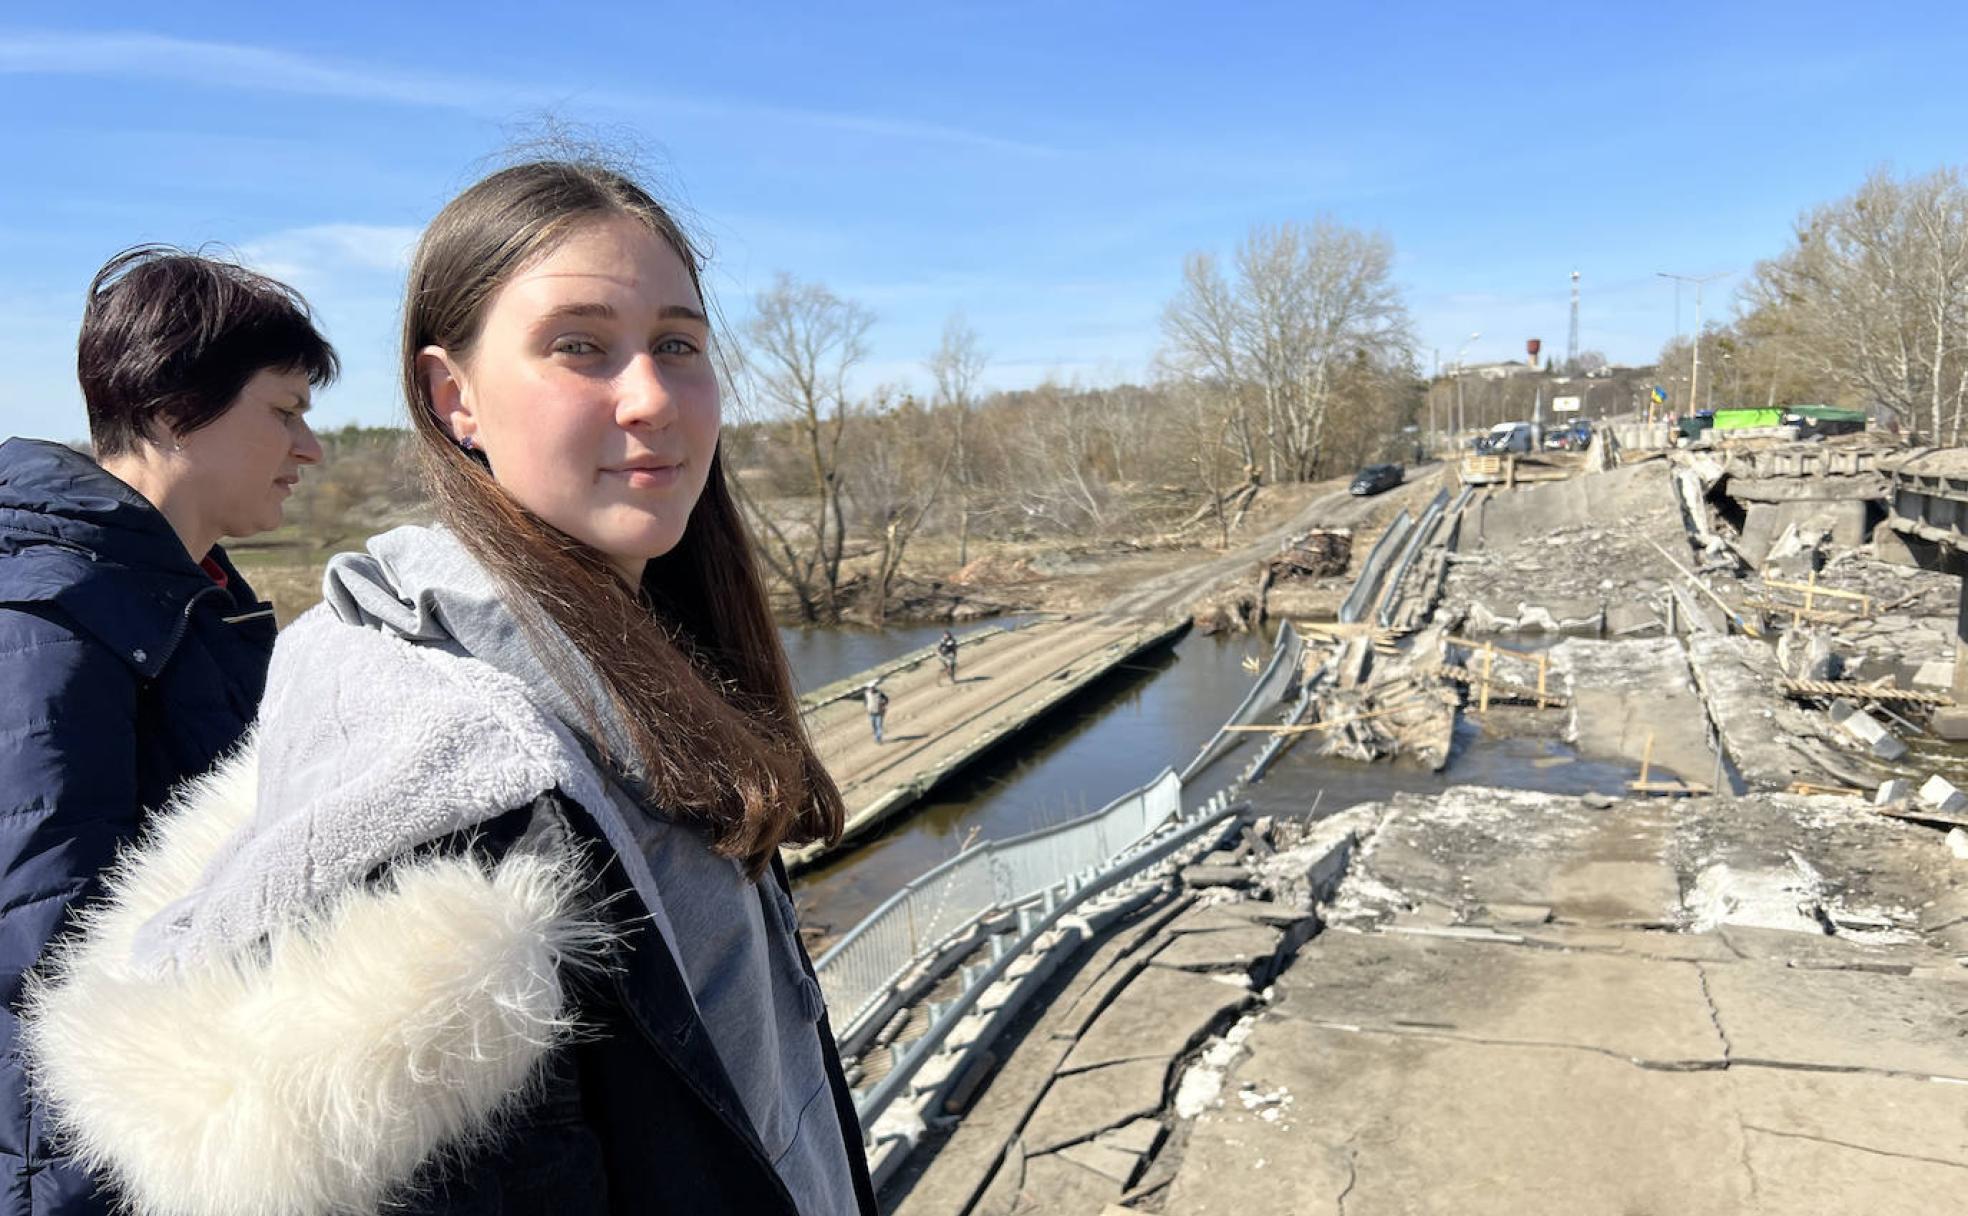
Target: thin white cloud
{"x": 259, "y": 69}
{"x": 332, "y": 250}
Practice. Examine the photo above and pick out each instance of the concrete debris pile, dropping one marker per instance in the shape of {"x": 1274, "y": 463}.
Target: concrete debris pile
{"x": 1371, "y": 701}
{"x": 1582, "y": 578}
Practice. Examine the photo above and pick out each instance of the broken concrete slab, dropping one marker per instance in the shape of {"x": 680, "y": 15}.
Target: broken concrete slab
{"x": 1628, "y": 695}
{"x": 1079, "y": 1106}
{"x": 1633, "y": 1008}
{"x": 1939, "y": 794}
{"x": 1203, "y": 876}
{"x": 1742, "y": 684}
{"x": 1140, "y": 1137}
{"x": 1210, "y": 918}
{"x": 1054, "y": 1184}
{"x": 1804, "y": 1174}
{"x": 1615, "y": 891}
{"x": 1250, "y": 951}
{"x": 1476, "y": 845}
{"x": 1262, "y": 912}
{"x": 1642, "y": 943}
{"x": 1116, "y": 1165}
{"x": 1417, "y": 1124}
{"x": 1504, "y": 913}
{"x": 1897, "y": 790}
{"x": 1160, "y": 1014}
{"x": 1890, "y": 1116}
{"x": 1820, "y": 950}
{"x": 1868, "y": 730}
{"x": 1843, "y": 1019}
{"x": 1787, "y": 897}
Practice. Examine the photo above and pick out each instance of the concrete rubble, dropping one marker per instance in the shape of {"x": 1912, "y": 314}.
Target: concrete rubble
{"x": 1752, "y": 997}
{"x": 1688, "y": 1031}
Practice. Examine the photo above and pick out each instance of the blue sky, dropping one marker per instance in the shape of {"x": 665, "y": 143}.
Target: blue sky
{"x": 1041, "y": 168}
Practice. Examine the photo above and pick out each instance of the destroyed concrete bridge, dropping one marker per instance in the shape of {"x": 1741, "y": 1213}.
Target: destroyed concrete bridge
{"x": 1728, "y": 978}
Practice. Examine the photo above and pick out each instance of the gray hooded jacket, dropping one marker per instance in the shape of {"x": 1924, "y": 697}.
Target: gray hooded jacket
{"x": 405, "y": 709}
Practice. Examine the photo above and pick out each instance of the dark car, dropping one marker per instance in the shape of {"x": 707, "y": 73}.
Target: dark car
{"x": 1375, "y": 478}
{"x": 1572, "y": 437}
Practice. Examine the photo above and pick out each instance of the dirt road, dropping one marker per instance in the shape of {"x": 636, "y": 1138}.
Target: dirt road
{"x": 1173, "y": 593}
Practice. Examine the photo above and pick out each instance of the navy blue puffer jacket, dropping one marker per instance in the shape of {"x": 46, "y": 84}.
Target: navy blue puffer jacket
{"x": 124, "y": 668}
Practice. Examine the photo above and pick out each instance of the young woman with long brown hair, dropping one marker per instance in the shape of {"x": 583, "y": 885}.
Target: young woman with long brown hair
{"x": 487, "y": 916}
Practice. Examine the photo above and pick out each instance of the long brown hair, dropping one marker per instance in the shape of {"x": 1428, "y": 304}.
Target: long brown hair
{"x": 690, "y": 661}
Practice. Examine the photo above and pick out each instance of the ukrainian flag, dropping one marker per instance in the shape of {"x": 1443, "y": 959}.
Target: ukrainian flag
{"x": 1659, "y": 395}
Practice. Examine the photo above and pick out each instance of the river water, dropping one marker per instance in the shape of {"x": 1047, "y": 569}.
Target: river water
{"x": 1117, "y": 734}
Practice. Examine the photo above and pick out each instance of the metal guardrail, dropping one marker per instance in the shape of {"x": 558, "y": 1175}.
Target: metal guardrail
{"x": 858, "y": 972}
{"x": 1421, "y": 534}
{"x": 929, "y": 912}
{"x": 1033, "y": 922}
{"x": 1367, "y": 585}
{"x": 1042, "y": 874}
{"x": 1273, "y": 684}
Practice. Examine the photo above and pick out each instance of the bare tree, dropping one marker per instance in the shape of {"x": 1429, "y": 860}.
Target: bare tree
{"x": 1308, "y": 302}
{"x": 958, "y": 366}
{"x": 1199, "y": 333}
{"x": 1207, "y": 421}
{"x": 895, "y": 467}
{"x": 802, "y": 342}
{"x": 1875, "y": 293}
{"x": 1057, "y": 438}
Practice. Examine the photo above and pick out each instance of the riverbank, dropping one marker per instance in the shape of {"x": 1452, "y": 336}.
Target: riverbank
{"x": 1025, "y": 575}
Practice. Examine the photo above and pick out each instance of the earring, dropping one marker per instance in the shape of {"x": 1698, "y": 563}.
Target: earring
{"x": 468, "y": 443}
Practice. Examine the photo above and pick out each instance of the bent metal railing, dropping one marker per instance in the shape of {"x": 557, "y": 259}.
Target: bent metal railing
{"x": 918, "y": 920}
{"x": 1367, "y": 586}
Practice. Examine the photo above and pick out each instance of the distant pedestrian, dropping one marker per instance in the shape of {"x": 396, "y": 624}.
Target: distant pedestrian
{"x": 877, "y": 704}
{"x": 946, "y": 649}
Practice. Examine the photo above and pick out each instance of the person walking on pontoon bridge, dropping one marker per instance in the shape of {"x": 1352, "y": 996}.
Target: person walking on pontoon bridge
{"x": 876, "y": 702}
{"x": 946, "y": 649}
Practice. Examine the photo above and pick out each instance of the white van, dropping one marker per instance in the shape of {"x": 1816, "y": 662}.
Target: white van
{"x": 1506, "y": 437}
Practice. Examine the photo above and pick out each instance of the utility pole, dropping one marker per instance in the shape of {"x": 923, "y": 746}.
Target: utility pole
{"x": 1572, "y": 346}
{"x": 1432, "y": 378}
{"x": 1462, "y": 420}
{"x": 1699, "y": 280}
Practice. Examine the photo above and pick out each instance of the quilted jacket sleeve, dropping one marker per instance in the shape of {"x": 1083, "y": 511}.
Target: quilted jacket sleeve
{"x": 67, "y": 800}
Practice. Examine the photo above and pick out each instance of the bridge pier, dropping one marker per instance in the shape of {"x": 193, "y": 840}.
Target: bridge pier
{"x": 1951, "y": 722}
{"x": 1928, "y": 504}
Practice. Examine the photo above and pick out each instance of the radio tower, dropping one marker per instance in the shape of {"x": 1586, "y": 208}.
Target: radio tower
{"x": 1572, "y": 346}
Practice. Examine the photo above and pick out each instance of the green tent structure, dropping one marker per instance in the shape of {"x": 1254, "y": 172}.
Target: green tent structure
{"x": 1808, "y": 419}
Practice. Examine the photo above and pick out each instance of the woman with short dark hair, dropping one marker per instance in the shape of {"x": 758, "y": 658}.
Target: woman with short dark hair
{"x": 132, "y": 652}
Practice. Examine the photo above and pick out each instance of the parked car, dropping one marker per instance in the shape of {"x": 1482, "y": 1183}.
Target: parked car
{"x": 1377, "y": 477}
{"x": 1506, "y": 437}
{"x": 1574, "y": 436}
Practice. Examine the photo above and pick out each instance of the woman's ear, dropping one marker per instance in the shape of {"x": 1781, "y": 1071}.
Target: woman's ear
{"x": 445, "y": 383}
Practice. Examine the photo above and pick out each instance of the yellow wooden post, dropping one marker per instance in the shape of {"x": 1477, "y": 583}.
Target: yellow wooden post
{"x": 1543, "y": 664}
{"x": 1489, "y": 661}
{"x": 1647, "y": 758}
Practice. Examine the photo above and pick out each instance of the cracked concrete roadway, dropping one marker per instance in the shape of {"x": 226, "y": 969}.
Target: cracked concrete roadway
{"x": 1599, "y": 1060}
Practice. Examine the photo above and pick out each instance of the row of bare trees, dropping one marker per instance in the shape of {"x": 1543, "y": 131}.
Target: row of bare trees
{"x": 1298, "y": 364}
{"x": 1867, "y": 306}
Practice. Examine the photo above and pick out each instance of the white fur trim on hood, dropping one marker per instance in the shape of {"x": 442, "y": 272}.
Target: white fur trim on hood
{"x": 313, "y": 1074}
